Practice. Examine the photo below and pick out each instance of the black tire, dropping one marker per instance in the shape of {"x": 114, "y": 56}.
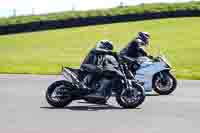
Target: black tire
{"x": 171, "y": 80}
{"x": 61, "y": 101}
{"x": 133, "y": 104}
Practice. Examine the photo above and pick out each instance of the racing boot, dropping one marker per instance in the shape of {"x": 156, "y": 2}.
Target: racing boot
{"x": 99, "y": 96}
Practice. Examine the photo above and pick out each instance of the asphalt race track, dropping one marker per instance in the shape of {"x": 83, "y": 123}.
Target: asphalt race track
{"x": 23, "y": 109}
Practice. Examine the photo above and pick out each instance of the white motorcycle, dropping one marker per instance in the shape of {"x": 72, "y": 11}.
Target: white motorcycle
{"x": 154, "y": 74}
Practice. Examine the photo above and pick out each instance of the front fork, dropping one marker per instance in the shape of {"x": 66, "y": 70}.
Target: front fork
{"x": 163, "y": 78}
{"x": 129, "y": 87}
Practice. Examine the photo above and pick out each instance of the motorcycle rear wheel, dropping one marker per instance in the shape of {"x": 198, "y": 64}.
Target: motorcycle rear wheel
{"x": 62, "y": 98}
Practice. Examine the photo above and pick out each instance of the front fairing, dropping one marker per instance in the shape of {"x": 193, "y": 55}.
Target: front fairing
{"x": 159, "y": 60}
{"x": 147, "y": 71}
{"x": 165, "y": 61}
{"x": 148, "y": 66}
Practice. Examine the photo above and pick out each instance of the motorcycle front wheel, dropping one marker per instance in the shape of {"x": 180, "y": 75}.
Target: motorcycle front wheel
{"x": 131, "y": 98}
{"x": 57, "y": 94}
{"x": 164, "y": 83}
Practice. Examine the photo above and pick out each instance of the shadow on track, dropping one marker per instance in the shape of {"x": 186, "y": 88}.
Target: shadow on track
{"x": 155, "y": 95}
{"x": 152, "y": 94}
{"x": 90, "y": 108}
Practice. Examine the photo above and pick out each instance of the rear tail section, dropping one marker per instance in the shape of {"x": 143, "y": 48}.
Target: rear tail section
{"x": 70, "y": 74}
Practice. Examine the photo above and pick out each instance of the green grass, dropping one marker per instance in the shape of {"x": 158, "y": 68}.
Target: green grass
{"x": 45, "y": 52}
{"x": 139, "y": 9}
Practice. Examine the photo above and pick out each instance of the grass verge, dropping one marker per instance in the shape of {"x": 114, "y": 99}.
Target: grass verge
{"x": 45, "y": 52}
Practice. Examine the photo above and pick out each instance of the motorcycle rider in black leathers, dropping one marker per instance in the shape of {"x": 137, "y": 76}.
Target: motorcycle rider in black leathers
{"x": 135, "y": 50}
{"x": 94, "y": 63}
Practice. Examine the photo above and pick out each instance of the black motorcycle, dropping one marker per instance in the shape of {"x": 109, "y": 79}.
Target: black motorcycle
{"x": 128, "y": 92}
